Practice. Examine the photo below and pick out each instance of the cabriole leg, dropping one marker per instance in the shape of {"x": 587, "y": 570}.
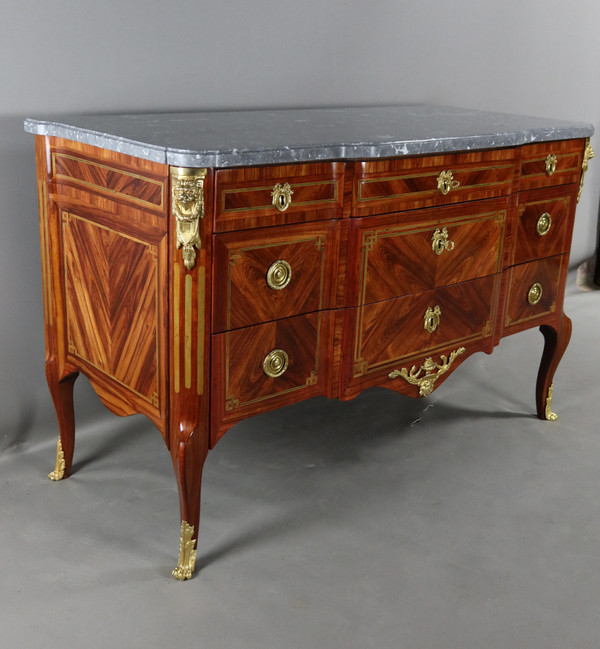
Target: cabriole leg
{"x": 62, "y": 397}
{"x": 556, "y": 341}
{"x": 188, "y": 462}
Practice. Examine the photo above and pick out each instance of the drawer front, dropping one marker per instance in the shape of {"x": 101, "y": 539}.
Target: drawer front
{"x": 252, "y": 197}
{"x": 533, "y": 290}
{"x": 396, "y": 258}
{"x": 386, "y": 333}
{"x": 273, "y": 273}
{"x": 550, "y": 163}
{"x": 544, "y": 223}
{"x": 269, "y": 365}
{"x": 411, "y": 183}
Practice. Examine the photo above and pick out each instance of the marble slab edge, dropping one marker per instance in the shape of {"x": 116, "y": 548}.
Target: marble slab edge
{"x": 312, "y": 153}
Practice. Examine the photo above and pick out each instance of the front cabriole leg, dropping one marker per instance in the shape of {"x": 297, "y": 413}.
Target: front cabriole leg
{"x": 556, "y": 340}
{"x": 190, "y": 263}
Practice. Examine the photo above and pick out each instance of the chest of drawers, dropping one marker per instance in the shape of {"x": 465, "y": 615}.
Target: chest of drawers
{"x": 201, "y": 285}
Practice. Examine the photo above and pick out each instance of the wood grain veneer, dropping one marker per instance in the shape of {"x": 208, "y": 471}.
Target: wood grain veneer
{"x": 184, "y": 344}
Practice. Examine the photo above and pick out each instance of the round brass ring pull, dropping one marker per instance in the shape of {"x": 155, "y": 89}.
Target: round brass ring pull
{"x": 275, "y": 363}
{"x": 535, "y": 294}
{"x": 543, "y": 224}
{"x": 279, "y": 274}
{"x": 282, "y": 196}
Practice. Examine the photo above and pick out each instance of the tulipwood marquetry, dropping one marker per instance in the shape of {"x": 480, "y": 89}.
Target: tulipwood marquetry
{"x": 378, "y": 274}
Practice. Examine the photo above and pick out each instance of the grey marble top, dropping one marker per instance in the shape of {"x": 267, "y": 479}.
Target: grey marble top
{"x": 236, "y": 138}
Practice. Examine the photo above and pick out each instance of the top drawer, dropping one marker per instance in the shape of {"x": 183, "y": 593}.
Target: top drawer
{"x": 251, "y": 197}
{"x": 416, "y": 182}
{"x": 550, "y": 163}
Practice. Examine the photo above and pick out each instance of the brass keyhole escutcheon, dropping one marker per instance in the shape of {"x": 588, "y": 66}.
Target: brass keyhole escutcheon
{"x": 446, "y": 182}
{"x": 543, "y": 224}
{"x": 275, "y": 363}
{"x": 534, "y": 294}
{"x": 439, "y": 241}
{"x": 551, "y": 161}
{"x": 432, "y": 318}
{"x": 279, "y": 274}
{"x": 282, "y": 196}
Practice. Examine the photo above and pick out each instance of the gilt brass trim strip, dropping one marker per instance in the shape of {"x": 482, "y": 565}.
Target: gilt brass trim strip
{"x": 226, "y": 192}
{"x": 187, "y": 363}
{"x": 45, "y": 258}
{"x": 85, "y": 183}
{"x": 201, "y": 315}
{"x": 176, "y": 325}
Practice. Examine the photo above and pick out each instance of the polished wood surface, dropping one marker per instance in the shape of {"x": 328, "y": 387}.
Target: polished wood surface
{"x": 242, "y": 261}
{"x": 243, "y": 196}
{"x": 533, "y": 174}
{"x": 412, "y": 182}
{"x": 394, "y": 254}
{"x": 185, "y": 344}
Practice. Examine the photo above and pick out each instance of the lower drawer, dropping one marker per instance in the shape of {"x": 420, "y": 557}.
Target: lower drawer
{"x": 533, "y": 290}
{"x": 259, "y": 368}
{"x": 385, "y": 334}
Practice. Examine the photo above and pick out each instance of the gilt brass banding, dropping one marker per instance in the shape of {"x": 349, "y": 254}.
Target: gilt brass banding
{"x": 439, "y": 241}
{"x": 551, "y": 161}
{"x": 534, "y": 295}
{"x": 543, "y": 224}
{"x": 432, "y": 318}
{"x": 279, "y": 274}
{"x": 282, "y": 196}
{"x": 432, "y": 372}
{"x": 446, "y": 182}
{"x": 275, "y": 363}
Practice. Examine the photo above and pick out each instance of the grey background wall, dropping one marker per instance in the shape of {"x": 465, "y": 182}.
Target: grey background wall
{"x": 528, "y": 56}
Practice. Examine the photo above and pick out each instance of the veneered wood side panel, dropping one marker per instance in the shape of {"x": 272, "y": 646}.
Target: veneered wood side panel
{"x": 111, "y": 284}
{"x": 112, "y": 268}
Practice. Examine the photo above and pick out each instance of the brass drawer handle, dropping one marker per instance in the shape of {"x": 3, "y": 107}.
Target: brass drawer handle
{"x": 432, "y": 318}
{"x": 534, "y": 295}
{"x": 279, "y": 274}
{"x": 432, "y": 370}
{"x": 551, "y": 161}
{"x": 275, "y": 363}
{"x": 446, "y": 182}
{"x": 439, "y": 241}
{"x": 543, "y": 224}
{"x": 282, "y": 196}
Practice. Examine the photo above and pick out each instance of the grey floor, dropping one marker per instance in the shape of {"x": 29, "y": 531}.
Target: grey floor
{"x": 456, "y": 522}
